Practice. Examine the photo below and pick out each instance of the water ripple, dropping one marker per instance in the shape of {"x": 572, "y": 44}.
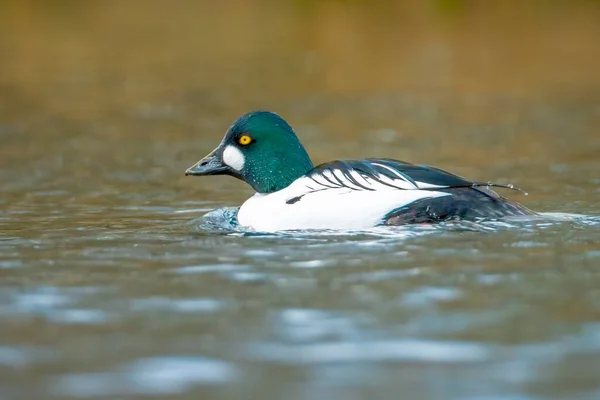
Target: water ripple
{"x": 405, "y": 350}
{"x": 148, "y": 376}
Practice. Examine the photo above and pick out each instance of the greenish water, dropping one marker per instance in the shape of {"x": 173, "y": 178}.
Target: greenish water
{"x": 114, "y": 286}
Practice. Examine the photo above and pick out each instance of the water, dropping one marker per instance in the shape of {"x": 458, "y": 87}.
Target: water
{"x": 114, "y": 283}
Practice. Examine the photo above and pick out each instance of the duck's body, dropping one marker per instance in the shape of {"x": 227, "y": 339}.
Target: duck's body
{"x": 361, "y": 194}
{"x": 263, "y": 150}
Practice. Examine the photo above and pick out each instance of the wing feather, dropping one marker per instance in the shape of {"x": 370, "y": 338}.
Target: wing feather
{"x": 383, "y": 173}
{"x": 370, "y": 173}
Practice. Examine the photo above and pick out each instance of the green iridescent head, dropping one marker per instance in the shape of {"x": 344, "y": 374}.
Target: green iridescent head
{"x": 261, "y": 149}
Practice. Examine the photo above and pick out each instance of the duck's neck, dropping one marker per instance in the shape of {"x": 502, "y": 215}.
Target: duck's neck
{"x": 277, "y": 173}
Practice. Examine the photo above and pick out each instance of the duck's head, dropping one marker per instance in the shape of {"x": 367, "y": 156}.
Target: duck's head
{"x": 261, "y": 149}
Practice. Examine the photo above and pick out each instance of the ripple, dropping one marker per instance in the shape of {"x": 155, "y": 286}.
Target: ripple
{"x": 406, "y": 350}
{"x": 148, "y": 376}
{"x": 224, "y": 220}
{"x": 311, "y": 264}
{"x": 219, "y": 220}
{"x": 428, "y": 295}
{"x": 195, "y": 305}
{"x": 525, "y": 243}
{"x": 40, "y": 300}
{"x": 13, "y": 356}
{"x": 79, "y": 316}
{"x": 251, "y": 276}
{"x": 383, "y": 275}
{"x": 54, "y": 304}
{"x": 203, "y": 269}
{"x": 11, "y": 264}
{"x": 305, "y": 325}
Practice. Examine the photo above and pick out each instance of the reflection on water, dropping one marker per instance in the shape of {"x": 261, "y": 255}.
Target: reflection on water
{"x": 121, "y": 278}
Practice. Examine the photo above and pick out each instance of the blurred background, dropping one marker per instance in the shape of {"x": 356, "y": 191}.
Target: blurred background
{"x": 456, "y": 83}
{"x": 108, "y": 291}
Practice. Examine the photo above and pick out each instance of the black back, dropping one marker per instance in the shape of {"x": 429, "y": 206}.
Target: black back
{"x": 376, "y": 168}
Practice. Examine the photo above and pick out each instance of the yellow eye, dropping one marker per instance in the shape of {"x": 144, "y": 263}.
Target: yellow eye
{"x": 244, "y": 140}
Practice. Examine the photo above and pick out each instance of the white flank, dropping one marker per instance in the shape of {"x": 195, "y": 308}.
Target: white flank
{"x": 233, "y": 157}
{"x": 334, "y": 208}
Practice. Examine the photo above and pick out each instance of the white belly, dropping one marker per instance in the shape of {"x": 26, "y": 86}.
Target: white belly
{"x": 338, "y": 209}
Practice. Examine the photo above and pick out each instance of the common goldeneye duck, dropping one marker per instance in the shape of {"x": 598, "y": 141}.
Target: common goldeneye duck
{"x": 262, "y": 149}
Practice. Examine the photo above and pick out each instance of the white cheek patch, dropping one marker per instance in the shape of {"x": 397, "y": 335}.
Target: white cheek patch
{"x": 233, "y": 157}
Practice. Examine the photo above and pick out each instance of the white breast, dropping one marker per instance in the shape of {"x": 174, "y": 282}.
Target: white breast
{"x": 326, "y": 208}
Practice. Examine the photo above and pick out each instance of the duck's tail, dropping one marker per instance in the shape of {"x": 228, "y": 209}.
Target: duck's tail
{"x": 464, "y": 203}
{"x": 492, "y": 184}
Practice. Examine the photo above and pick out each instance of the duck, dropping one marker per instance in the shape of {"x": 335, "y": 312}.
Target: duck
{"x": 261, "y": 149}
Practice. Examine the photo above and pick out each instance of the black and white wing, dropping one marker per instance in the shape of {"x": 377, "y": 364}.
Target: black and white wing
{"x": 373, "y": 174}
